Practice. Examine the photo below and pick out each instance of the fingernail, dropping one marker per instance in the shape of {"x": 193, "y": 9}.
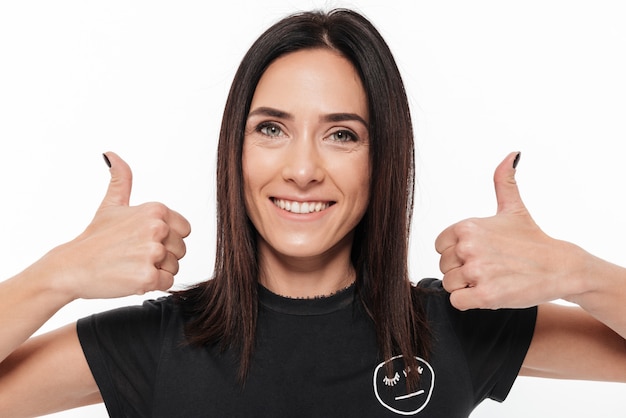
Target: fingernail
{"x": 106, "y": 160}
{"x": 516, "y": 160}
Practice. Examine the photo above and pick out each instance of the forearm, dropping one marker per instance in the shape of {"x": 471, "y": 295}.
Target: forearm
{"x": 599, "y": 287}
{"x": 29, "y": 299}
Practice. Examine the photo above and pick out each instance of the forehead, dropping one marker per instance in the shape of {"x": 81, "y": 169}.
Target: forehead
{"x": 312, "y": 78}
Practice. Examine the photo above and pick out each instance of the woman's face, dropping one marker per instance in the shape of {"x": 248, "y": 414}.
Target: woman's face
{"x": 306, "y": 155}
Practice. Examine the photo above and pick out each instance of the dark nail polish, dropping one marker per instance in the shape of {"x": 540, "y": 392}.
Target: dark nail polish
{"x": 106, "y": 160}
{"x": 516, "y": 160}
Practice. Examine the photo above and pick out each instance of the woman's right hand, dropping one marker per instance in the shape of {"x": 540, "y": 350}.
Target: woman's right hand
{"x": 125, "y": 249}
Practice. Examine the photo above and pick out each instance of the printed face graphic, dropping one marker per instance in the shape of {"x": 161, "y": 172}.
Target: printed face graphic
{"x": 391, "y": 391}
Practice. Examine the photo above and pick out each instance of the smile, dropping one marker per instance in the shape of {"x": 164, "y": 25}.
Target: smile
{"x": 410, "y": 395}
{"x": 301, "y": 207}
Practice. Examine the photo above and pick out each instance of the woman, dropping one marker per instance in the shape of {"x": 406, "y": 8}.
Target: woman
{"x": 310, "y": 312}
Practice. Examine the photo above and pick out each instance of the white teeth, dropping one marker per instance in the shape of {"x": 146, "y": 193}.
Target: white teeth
{"x": 300, "y": 207}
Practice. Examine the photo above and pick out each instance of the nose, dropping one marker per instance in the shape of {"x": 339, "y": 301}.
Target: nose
{"x": 303, "y": 163}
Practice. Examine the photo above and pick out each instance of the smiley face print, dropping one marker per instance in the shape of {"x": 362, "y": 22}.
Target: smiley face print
{"x": 391, "y": 391}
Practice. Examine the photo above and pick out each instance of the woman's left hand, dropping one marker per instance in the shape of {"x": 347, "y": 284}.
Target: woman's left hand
{"x": 506, "y": 261}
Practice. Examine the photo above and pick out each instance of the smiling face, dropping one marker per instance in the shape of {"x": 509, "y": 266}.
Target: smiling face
{"x": 306, "y": 157}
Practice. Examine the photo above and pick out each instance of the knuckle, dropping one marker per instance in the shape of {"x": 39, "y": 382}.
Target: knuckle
{"x": 465, "y": 249}
{"x": 156, "y": 253}
{"x": 166, "y": 281}
{"x": 486, "y": 298}
{"x": 158, "y": 229}
{"x": 458, "y": 302}
{"x": 176, "y": 246}
{"x": 473, "y": 271}
{"x": 480, "y": 296}
{"x": 466, "y": 228}
{"x": 149, "y": 280}
{"x": 155, "y": 210}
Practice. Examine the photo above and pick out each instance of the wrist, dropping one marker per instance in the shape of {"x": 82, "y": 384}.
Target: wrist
{"x": 588, "y": 276}
{"x": 50, "y": 278}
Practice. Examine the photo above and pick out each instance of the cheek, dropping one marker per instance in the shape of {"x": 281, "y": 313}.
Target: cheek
{"x": 255, "y": 175}
{"x": 365, "y": 180}
{"x": 247, "y": 167}
{"x": 361, "y": 187}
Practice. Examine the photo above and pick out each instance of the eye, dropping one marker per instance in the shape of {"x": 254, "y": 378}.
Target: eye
{"x": 343, "y": 136}
{"x": 270, "y": 129}
{"x": 391, "y": 381}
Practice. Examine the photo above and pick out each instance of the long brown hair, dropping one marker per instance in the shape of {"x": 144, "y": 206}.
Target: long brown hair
{"x": 225, "y": 308}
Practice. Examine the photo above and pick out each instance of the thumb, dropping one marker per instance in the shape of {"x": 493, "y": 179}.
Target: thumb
{"x": 118, "y": 193}
{"x": 507, "y": 193}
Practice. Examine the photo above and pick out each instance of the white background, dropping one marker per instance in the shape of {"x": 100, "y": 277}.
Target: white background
{"x": 149, "y": 80}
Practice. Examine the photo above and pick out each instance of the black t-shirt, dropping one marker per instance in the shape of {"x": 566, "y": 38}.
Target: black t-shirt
{"x": 313, "y": 358}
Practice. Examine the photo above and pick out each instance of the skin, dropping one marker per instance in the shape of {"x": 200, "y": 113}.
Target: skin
{"x": 314, "y": 151}
{"x": 507, "y": 261}
{"x": 501, "y": 261}
{"x": 146, "y": 242}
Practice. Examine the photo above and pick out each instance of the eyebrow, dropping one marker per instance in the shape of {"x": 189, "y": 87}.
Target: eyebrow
{"x": 340, "y": 117}
{"x": 269, "y": 111}
{"x": 331, "y": 117}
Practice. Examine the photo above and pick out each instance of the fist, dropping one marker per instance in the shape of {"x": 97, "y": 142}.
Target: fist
{"x": 504, "y": 261}
{"x": 126, "y": 249}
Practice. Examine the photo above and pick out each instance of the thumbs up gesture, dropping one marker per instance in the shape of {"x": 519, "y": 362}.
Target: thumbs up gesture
{"x": 504, "y": 261}
{"x": 126, "y": 249}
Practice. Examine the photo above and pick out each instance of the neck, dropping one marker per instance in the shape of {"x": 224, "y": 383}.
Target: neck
{"x": 309, "y": 277}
